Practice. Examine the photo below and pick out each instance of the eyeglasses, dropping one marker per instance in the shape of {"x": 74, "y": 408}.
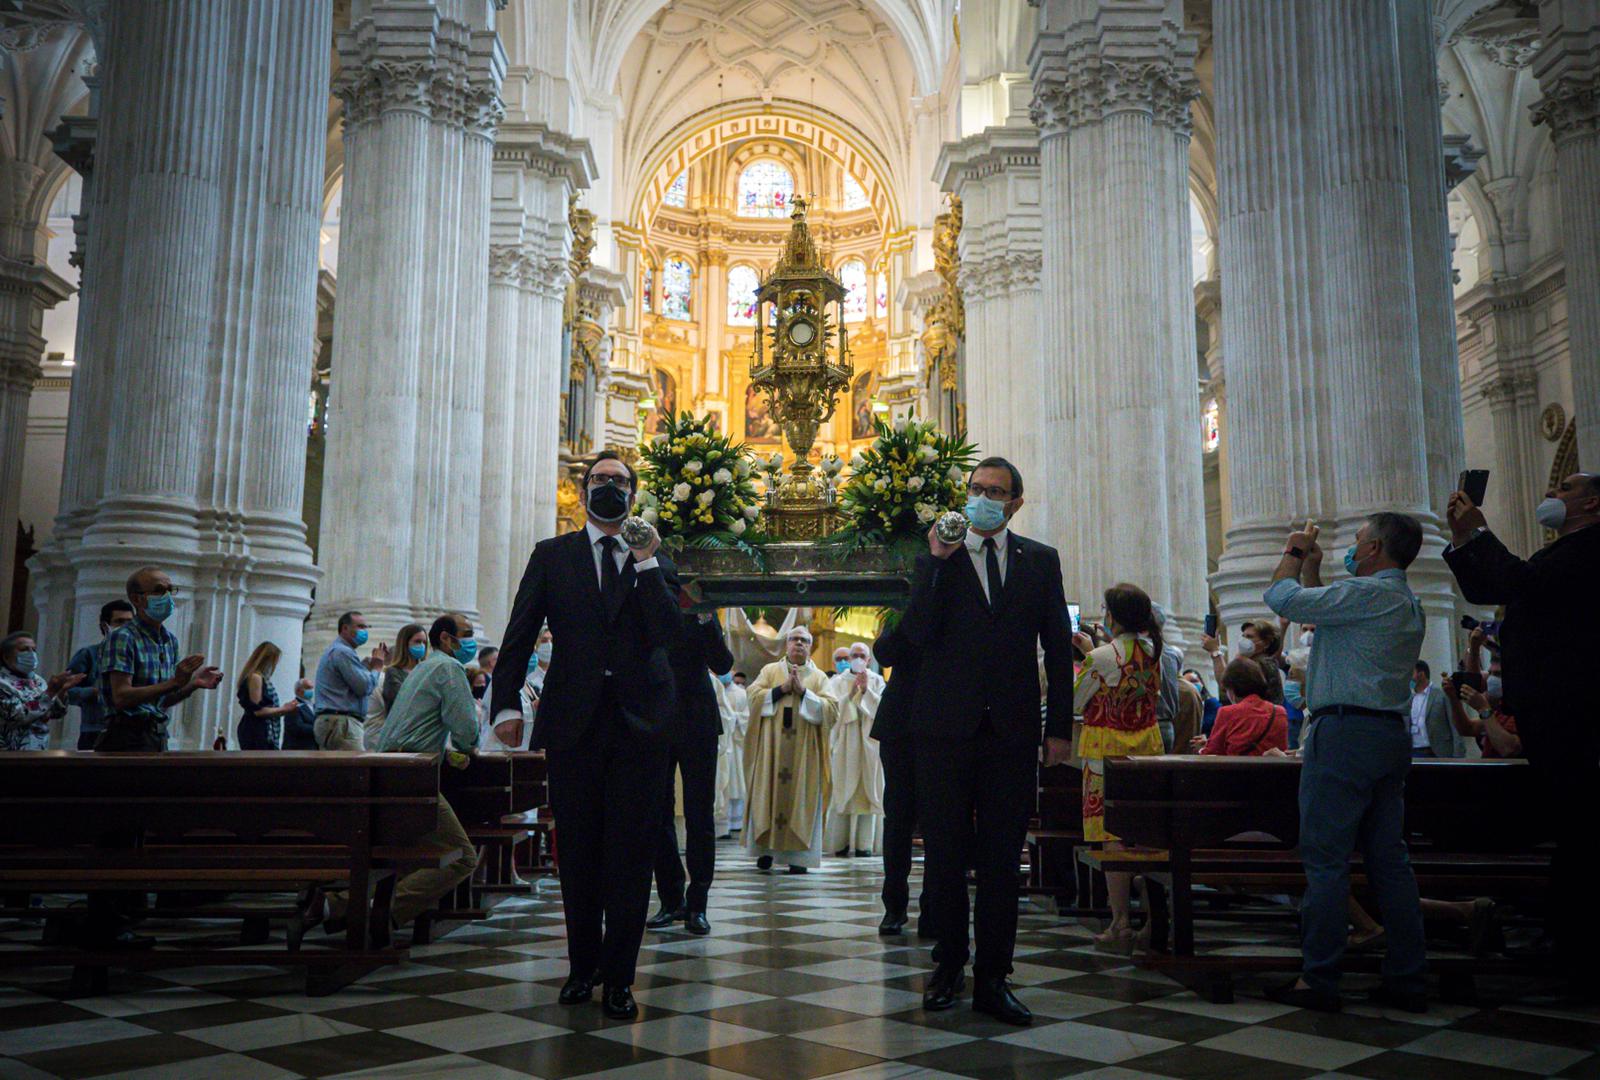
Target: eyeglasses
{"x": 999, "y": 494}
{"x": 616, "y": 480}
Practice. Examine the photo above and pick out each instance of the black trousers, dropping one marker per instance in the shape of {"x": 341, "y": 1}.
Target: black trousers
{"x": 973, "y": 797}
{"x": 1563, "y": 747}
{"x": 606, "y": 795}
{"x": 132, "y": 734}
{"x": 695, "y": 759}
{"x": 899, "y": 824}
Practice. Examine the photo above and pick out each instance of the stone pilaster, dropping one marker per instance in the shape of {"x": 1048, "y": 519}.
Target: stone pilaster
{"x": 186, "y": 443}
{"x": 420, "y": 89}
{"x": 1320, "y": 318}
{"x": 505, "y": 344}
{"x": 995, "y": 174}
{"x": 1568, "y": 70}
{"x": 1112, "y": 86}
{"x": 27, "y": 291}
{"x": 1514, "y": 415}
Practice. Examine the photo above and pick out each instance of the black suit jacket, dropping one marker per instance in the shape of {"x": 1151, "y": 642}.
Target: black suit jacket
{"x": 696, "y": 648}
{"x": 562, "y": 586}
{"x": 893, "y": 722}
{"x": 987, "y": 657}
{"x": 1549, "y": 638}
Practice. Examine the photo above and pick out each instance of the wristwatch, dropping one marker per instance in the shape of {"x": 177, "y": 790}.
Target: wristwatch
{"x": 1294, "y": 552}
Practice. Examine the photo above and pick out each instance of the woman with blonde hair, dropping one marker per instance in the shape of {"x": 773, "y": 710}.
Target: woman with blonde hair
{"x": 261, "y": 727}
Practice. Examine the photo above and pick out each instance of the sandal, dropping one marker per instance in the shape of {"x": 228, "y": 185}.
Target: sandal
{"x": 1115, "y": 941}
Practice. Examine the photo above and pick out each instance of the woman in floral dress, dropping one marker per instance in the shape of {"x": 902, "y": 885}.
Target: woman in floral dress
{"x": 27, "y": 702}
{"x": 1116, "y": 693}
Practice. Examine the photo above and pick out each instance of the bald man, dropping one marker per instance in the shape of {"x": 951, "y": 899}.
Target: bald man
{"x": 786, "y": 758}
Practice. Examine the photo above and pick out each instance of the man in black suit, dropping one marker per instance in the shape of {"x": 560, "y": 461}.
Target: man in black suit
{"x": 892, "y": 728}
{"x": 982, "y": 606}
{"x": 697, "y": 648}
{"x": 604, "y": 720}
{"x": 1548, "y": 642}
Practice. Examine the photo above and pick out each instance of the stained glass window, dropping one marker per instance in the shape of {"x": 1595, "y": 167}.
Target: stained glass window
{"x": 853, "y": 276}
{"x": 1210, "y": 426}
{"x": 742, "y": 282}
{"x": 855, "y": 196}
{"x": 883, "y": 296}
{"x": 677, "y": 280}
{"x": 765, "y": 190}
{"x": 678, "y": 193}
{"x": 647, "y": 290}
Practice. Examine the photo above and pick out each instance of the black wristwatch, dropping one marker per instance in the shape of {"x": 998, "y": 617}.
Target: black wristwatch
{"x": 1295, "y": 552}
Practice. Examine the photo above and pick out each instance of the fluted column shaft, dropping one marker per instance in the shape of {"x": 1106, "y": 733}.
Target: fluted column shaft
{"x": 1568, "y": 69}
{"x": 1321, "y": 311}
{"x": 995, "y": 174}
{"x": 1111, "y": 93}
{"x": 504, "y": 344}
{"x": 186, "y": 441}
{"x": 1514, "y": 417}
{"x": 405, "y": 413}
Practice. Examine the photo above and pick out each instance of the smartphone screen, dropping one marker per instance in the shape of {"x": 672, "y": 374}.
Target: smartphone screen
{"x": 1473, "y": 484}
{"x": 1072, "y": 614}
{"x": 1211, "y": 625}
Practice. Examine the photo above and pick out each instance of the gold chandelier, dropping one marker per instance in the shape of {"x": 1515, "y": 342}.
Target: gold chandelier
{"x": 801, "y": 379}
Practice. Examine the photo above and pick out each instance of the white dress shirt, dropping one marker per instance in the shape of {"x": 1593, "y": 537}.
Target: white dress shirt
{"x": 980, "y": 557}
{"x": 1419, "y": 720}
{"x": 621, "y": 554}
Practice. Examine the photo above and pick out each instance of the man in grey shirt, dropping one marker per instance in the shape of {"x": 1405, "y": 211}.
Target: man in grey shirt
{"x": 1356, "y": 752}
{"x": 344, "y": 682}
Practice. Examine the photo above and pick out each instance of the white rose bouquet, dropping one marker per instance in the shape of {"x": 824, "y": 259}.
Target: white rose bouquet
{"x": 910, "y": 474}
{"x": 697, "y": 487}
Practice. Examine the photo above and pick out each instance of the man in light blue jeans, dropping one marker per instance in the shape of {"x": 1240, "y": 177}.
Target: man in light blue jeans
{"x": 1356, "y": 753}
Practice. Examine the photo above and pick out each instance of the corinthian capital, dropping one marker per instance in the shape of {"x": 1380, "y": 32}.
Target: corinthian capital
{"x": 507, "y": 264}
{"x": 1087, "y": 92}
{"x": 1571, "y": 105}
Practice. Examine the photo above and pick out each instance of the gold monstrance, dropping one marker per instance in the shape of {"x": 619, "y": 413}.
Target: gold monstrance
{"x": 801, "y": 381}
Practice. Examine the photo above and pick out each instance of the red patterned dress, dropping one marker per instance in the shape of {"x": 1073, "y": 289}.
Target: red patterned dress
{"x": 1117, "y": 691}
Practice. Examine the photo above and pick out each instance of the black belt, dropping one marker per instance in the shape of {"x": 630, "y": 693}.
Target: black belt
{"x": 1356, "y": 710}
{"x": 340, "y": 712}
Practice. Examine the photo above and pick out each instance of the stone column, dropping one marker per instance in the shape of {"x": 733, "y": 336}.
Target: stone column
{"x": 1568, "y": 69}
{"x": 1321, "y": 312}
{"x": 1431, "y": 248}
{"x": 199, "y": 297}
{"x": 1112, "y": 86}
{"x": 505, "y": 345}
{"x": 995, "y": 174}
{"x": 1514, "y": 415}
{"x": 27, "y": 290}
{"x": 405, "y": 410}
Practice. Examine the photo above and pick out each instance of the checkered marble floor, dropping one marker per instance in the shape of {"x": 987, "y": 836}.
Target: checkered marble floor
{"x": 793, "y": 982}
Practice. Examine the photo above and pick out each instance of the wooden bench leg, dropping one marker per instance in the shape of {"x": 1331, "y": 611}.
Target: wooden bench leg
{"x": 381, "y": 932}
{"x": 89, "y": 980}
{"x": 255, "y": 930}
{"x": 1155, "y": 895}
{"x": 1182, "y": 905}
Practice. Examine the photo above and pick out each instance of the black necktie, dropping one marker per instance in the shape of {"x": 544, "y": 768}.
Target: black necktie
{"x": 610, "y": 576}
{"x": 992, "y": 559}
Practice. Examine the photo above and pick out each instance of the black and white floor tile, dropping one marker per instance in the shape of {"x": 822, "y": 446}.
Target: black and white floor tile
{"x": 793, "y": 982}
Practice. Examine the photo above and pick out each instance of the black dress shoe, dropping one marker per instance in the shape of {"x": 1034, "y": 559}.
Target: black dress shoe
{"x": 1304, "y": 997}
{"x": 796, "y": 869}
{"x": 894, "y": 922}
{"x": 994, "y": 996}
{"x": 577, "y": 990}
{"x": 695, "y": 922}
{"x": 764, "y": 862}
{"x": 618, "y": 1003}
{"x": 842, "y": 853}
{"x": 943, "y": 986}
{"x": 664, "y": 918}
{"x": 863, "y": 853}
{"x": 1387, "y": 997}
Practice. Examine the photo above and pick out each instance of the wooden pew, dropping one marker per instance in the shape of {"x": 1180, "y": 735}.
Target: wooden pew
{"x": 530, "y": 808}
{"x": 1054, "y": 836}
{"x": 244, "y": 821}
{"x": 1191, "y": 811}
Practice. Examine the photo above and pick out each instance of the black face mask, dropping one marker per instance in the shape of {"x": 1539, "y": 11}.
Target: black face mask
{"x": 608, "y": 503}
{"x": 477, "y": 691}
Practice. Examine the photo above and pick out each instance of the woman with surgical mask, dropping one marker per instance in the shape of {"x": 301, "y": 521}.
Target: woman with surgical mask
{"x": 1259, "y": 640}
{"x": 28, "y": 703}
{"x": 410, "y": 649}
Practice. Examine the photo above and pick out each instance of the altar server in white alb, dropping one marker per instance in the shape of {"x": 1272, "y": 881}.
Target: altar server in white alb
{"x": 857, "y": 803}
{"x": 786, "y": 758}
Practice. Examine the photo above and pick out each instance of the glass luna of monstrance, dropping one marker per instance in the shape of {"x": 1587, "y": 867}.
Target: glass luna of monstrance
{"x": 801, "y": 378}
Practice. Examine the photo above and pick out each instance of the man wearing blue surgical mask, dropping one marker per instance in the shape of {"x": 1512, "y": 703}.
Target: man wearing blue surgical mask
{"x": 344, "y": 683}
{"x": 1549, "y": 638}
{"x": 991, "y": 599}
{"x": 141, "y": 677}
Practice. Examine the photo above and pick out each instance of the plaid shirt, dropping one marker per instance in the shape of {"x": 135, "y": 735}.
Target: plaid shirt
{"x": 149, "y": 655}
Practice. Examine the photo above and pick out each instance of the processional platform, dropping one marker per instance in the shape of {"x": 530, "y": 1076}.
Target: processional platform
{"x": 797, "y": 574}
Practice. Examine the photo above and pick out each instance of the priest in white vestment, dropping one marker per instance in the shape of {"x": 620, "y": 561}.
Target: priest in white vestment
{"x": 856, "y": 771}
{"x": 786, "y": 758}
{"x": 735, "y": 704}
